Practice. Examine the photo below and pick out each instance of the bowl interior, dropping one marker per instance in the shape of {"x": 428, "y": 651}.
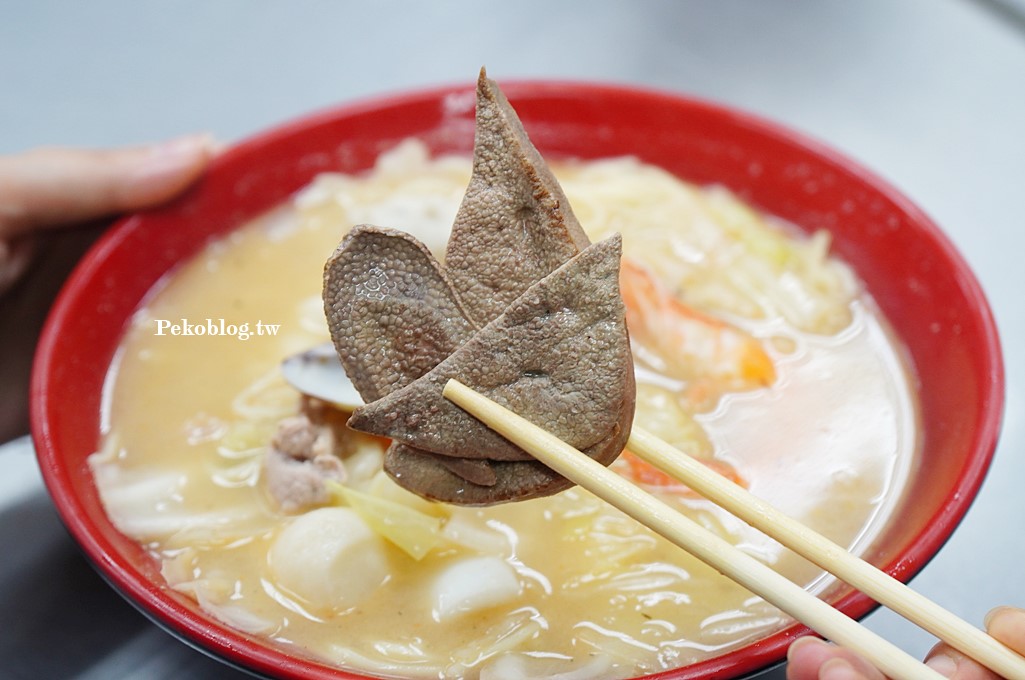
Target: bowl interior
{"x": 930, "y": 297}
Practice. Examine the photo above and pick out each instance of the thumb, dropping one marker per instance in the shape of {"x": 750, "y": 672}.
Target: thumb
{"x": 54, "y": 186}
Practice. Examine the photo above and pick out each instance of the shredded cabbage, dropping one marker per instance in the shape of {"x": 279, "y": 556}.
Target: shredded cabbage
{"x": 714, "y": 251}
{"x": 415, "y": 532}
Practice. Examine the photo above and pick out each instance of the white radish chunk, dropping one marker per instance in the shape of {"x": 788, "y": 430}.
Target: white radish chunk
{"x": 472, "y": 585}
{"x": 329, "y": 558}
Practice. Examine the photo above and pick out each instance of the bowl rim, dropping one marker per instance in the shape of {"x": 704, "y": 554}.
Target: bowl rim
{"x": 242, "y": 651}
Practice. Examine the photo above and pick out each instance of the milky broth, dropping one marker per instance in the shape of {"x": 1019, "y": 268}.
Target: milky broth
{"x": 188, "y": 417}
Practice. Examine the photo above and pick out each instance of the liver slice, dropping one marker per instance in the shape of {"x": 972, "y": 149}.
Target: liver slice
{"x": 525, "y": 310}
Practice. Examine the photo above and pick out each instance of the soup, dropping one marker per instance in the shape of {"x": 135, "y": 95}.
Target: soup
{"x": 825, "y": 430}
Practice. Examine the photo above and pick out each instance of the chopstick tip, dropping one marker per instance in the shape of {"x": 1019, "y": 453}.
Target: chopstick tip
{"x": 451, "y": 387}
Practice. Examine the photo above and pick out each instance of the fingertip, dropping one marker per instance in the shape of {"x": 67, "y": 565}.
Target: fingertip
{"x": 192, "y": 145}
{"x": 1007, "y": 624}
{"x": 53, "y": 186}
{"x": 1003, "y": 612}
{"x": 811, "y": 658}
{"x": 806, "y": 655}
{"x": 839, "y": 668}
{"x": 943, "y": 664}
{"x": 806, "y": 645}
{"x": 166, "y": 169}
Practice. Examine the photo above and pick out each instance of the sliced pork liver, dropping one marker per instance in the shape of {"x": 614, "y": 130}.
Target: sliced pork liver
{"x": 392, "y": 313}
{"x": 559, "y": 356}
{"x": 514, "y": 226}
{"x": 524, "y": 310}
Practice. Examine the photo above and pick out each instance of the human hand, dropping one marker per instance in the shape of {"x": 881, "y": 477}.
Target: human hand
{"x": 46, "y": 189}
{"x": 54, "y": 187}
{"x": 810, "y": 658}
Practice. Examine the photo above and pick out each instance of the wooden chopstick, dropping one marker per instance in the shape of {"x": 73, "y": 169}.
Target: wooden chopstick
{"x": 874, "y": 582}
{"x": 687, "y": 534}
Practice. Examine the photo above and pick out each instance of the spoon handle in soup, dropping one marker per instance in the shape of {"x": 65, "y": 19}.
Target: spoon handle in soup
{"x": 689, "y": 535}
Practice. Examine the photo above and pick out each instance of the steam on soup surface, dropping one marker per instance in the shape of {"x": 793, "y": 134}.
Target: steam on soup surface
{"x": 755, "y": 352}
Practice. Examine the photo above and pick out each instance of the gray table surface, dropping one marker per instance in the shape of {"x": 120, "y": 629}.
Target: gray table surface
{"x": 928, "y": 93}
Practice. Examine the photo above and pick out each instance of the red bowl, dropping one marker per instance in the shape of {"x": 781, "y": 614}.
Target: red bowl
{"x": 922, "y": 284}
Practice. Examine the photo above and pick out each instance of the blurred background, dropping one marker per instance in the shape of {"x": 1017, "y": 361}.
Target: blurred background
{"x": 929, "y": 94}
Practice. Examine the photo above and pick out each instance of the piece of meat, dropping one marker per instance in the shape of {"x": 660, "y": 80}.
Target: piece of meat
{"x": 393, "y": 316}
{"x": 475, "y": 470}
{"x": 427, "y": 475}
{"x": 391, "y": 312}
{"x": 390, "y": 309}
{"x": 514, "y": 226}
{"x": 295, "y": 438}
{"x": 300, "y": 458}
{"x": 323, "y": 414}
{"x": 553, "y": 346}
{"x": 559, "y": 356}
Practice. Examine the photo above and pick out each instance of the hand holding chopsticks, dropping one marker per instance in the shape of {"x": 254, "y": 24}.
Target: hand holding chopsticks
{"x": 737, "y": 565}
{"x": 875, "y": 583}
